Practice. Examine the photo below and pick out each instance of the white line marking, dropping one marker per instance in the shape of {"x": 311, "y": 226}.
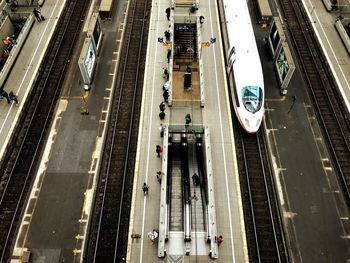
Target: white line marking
{"x": 222, "y": 138}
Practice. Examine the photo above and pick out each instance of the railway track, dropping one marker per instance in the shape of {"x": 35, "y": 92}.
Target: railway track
{"x": 110, "y": 223}
{"x": 19, "y": 165}
{"x": 327, "y": 102}
{"x": 264, "y": 232}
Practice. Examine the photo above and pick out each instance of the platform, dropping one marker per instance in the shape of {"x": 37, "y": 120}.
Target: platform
{"x": 23, "y": 73}
{"x": 216, "y": 115}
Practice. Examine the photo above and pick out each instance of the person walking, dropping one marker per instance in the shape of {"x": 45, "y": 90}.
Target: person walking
{"x": 13, "y": 97}
{"x": 167, "y": 11}
{"x": 145, "y": 188}
{"x": 39, "y": 17}
{"x": 158, "y": 150}
{"x": 159, "y": 176}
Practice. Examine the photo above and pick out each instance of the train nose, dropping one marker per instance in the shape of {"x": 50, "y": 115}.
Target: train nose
{"x": 252, "y": 125}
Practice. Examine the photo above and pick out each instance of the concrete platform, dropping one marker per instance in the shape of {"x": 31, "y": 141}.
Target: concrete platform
{"x": 216, "y": 115}
{"x": 23, "y": 73}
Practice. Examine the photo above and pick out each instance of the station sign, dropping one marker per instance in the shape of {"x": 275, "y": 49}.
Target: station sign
{"x": 95, "y": 31}
{"x": 87, "y": 60}
{"x": 276, "y": 36}
{"x": 284, "y": 66}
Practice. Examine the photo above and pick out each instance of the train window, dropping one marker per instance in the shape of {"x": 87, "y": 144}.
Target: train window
{"x": 252, "y": 98}
{"x": 231, "y": 57}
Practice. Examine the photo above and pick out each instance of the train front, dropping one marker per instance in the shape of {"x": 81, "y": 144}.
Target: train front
{"x": 251, "y": 110}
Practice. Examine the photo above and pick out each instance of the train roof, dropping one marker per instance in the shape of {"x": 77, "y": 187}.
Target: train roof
{"x": 241, "y": 36}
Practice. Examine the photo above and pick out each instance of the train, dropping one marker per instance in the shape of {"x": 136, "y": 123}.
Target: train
{"x": 244, "y": 66}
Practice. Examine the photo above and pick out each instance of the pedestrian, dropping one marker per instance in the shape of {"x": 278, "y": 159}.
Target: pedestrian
{"x": 167, "y": 11}
{"x": 162, "y": 106}
{"x": 187, "y": 119}
{"x": 201, "y": 20}
{"x": 167, "y": 34}
{"x": 39, "y": 17}
{"x": 6, "y": 95}
{"x": 158, "y": 150}
{"x": 166, "y": 86}
{"x": 162, "y": 129}
{"x": 162, "y": 115}
{"x": 166, "y": 95}
{"x": 159, "y": 176}
{"x": 195, "y": 179}
{"x": 145, "y": 189}
{"x": 219, "y": 240}
{"x": 168, "y": 55}
{"x": 165, "y": 73}
{"x": 13, "y": 97}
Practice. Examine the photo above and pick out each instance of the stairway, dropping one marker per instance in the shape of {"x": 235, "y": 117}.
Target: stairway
{"x": 176, "y": 213}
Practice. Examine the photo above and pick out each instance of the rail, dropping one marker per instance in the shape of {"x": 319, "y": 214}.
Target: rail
{"x": 331, "y": 113}
{"x": 108, "y": 228}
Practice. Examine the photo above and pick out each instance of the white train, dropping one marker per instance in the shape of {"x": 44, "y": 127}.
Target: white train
{"x": 244, "y": 66}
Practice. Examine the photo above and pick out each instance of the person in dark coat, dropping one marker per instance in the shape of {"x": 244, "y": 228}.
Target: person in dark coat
{"x": 168, "y": 55}
{"x": 162, "y": 115}
{"x": 162, "y": 106}
{"x": 158, "y": 150}
{"x": 39, "y": 17}
{"x": 167, "y": 11}
{"x": 6, "y": 95}
{"x": 13, "y": 97}
{"x": 166, "y": 95}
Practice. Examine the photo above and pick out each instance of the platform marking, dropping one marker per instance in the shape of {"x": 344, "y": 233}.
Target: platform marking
{"x": 326, "y": 54}
{"x": 30, "y": 63}
{"x": 222, "y": 138}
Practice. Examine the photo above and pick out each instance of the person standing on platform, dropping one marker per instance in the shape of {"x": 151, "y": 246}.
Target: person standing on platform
{"x": 168, "y": 55}
{"x": 162, "y": 129}
{"x": 6, "y": 95}
{"x": 166, "y": 95}
{"x": 13, "y": 97}
{"x": 39, "y": 17}
{"x": 187, "y": 120}
{"x": 219, "y": 240}
{"x": 162, "y": 115}
{"x": 162, "y": 106}
{"x": 167, "y": 11}
{"x": 165, "y": 73}
{"x": 159, "y": 150}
